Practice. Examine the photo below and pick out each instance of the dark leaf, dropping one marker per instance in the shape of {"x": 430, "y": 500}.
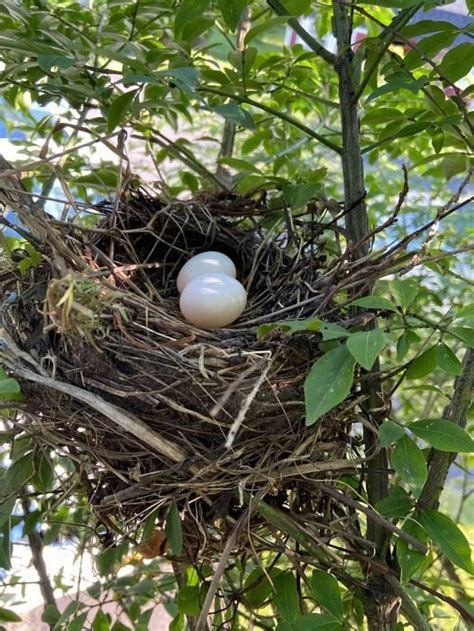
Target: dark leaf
{"x": 397, "y": 504}
{"x": 410, "y": 560}
{"x": 46, "y": 62}
{"x": 232, "y": 11}
{"x": 7, "y": 615}
{"x": 119, "y": 109}
{"x": 188, "y": 11}
{"x": 173, "y": 530}
{"x": 422, "y": 365}
{"x": 447, "y": 360}
{"x": 236, "y": 114}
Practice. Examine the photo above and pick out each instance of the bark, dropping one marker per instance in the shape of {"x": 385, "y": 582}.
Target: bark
{"x": 36, "y": 547}
{"x": 382, "y": 603}
{"x": 228, "y": 135}
{"x": 455, "y": 412}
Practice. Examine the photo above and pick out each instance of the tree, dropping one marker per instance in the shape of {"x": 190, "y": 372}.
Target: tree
{"x": 376, "y": 125}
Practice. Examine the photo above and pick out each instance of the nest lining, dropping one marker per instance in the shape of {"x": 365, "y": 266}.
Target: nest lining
{"x": 101, "y": 317}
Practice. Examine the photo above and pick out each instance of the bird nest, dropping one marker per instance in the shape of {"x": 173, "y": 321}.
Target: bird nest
{"x": 153, "y": 411}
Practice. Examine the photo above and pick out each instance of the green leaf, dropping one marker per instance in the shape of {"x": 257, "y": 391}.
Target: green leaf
{"x": 297, "y": 7}
{"x": 101, "y": 621}
{"x": 6, "y": 508}
{"x": 51, "y": 615}
{"x": 232, "y": 11}
{"x": 257, "y": 587}
{"x": 332, "y": 331}
{"x": 422, "y": 365}
{"x": 409, "y": 559}
{"x": 46, "y": 62}
{"x": 17, "y": 475}
{"x": 44, "y": 472}
{"x": 375, "y": 302}
{"x": 78, "y": 623}
{"x": 188, "y": 11}
{"x": 396, "y": 85}
{"x": 464, "y": 333}
{"x": 427, "y": 26}
{"x": 465, "y": 312}
{"x": 119, "y": 109}
{"x": 443, "y": 435}
{"x": 311, "y": 622}
{"x": 403, "y": 346}
{"x": 173, "y": 530}
{"x": 397, "y": 504}
{"x": 380, "y": 115}
{"x": 240, "y": 165}
{"x": 365, "y": 346}
{"x": 236, "y": 114}
{"x": 299, "y": 195}
{"x": 184, "y": 75}
{"x": 457, "y": 62}
{"x": 447, "y": 360}
{"x": 406, "y": 291}
{"x": 7, "y": 615}
{"x": 286, "y": 597}
{"x": 188, "y": 600}
{"x": 328, "y": 382}
{"x": 267, "y": 24}
{"x": 390, "y": 432}
{"x": 409, "y": 462}
{"x": 290, "y": 326}
{"x": 398, "y": 4}
{"x": 448, "y": 537}
{"x": 327, "y": 593}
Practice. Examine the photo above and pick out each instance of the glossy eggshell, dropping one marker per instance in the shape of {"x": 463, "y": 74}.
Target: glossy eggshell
{"x": 205, "y": 263}
{"x": 213, "y": 301}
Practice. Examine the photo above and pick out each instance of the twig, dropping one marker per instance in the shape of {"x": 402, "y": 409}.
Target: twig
{"x": 245, "y": 407}
{"x": 126, "y": 421}
{"x": 308, "y": 39}
{"x": 201, "y": 623}
{"x": 376, "y": 517}
{"x": 455, "y": 412}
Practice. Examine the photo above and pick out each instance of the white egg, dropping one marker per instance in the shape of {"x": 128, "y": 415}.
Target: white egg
{"x": 205, "y": 263}
{"x": 213, "y": 301}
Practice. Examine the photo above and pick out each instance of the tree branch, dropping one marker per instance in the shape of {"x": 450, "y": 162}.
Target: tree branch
{"x": 308, "y": 39}
{"x": 455, "y": 412}
{"x": 398, "y": 22}
{"x": 270, "y": 110}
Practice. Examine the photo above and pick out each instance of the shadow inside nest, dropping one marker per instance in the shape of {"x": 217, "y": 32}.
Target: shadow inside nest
{"x": 152, "y": 409}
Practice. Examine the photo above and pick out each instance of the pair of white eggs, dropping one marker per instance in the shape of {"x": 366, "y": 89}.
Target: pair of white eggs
{"x": 211, "y": 296}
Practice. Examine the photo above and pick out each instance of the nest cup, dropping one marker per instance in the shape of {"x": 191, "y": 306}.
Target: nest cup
{"x": 153, "y": 410}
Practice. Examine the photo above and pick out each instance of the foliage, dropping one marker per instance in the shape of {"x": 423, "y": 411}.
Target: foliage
{"x": 168, "y": 75}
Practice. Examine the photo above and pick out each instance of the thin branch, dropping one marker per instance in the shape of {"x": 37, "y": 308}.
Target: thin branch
{"x": 308, "y": 39}
{"x": 455, "y": 412}
{"x": 376, "y": 517}
{"x": 270, "y": 110}
{"x": 398, "y": 22}
{"x": 124, "y": 420}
